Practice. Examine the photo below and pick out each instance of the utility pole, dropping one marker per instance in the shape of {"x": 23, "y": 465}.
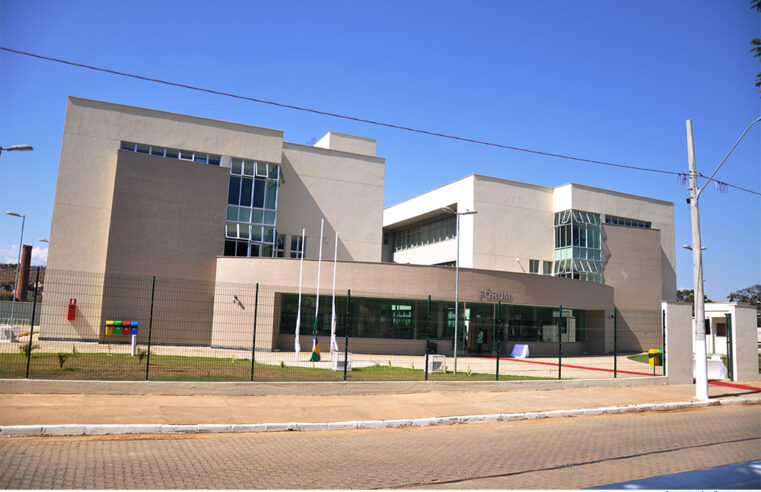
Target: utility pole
{"x": 699, "y": 345}
{"x": 701, "y": 370}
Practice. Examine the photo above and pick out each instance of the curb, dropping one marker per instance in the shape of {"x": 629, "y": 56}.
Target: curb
{"x": 123, "y": 429}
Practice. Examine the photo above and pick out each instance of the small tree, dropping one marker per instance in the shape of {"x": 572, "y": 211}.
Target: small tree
{"x": 62, "y": 356}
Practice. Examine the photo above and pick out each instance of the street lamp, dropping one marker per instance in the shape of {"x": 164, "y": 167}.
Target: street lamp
{"x": 15, "y": 281}
{"x": 457, "y": 281}
{"x": 22, "y": 148}
{"x": 701, "y": 369}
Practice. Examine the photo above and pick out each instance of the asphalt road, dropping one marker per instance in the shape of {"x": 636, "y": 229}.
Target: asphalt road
{"x": 567, "y": 453}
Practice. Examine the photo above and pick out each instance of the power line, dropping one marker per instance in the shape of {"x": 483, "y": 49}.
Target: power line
{"x": 357, "y": 119}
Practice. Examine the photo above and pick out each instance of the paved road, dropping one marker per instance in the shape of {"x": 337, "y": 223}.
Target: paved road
{"x": 555, "y": 453}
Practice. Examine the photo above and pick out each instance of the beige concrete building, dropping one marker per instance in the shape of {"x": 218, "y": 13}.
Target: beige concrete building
{"x": 221, "y": 206}
{"x": 572, "y": 231}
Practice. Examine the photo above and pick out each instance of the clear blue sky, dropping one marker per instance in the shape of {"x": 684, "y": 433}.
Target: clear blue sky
{"x": 612, "y": 81}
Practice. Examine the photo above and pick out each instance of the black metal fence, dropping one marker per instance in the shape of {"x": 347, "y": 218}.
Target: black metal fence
{"x": 133, "y": 327}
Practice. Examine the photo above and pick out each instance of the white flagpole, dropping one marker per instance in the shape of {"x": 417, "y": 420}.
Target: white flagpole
{"x": 296, "y": 343}
{"x": 319, "y": 267}
{"x": 333, "y": 343}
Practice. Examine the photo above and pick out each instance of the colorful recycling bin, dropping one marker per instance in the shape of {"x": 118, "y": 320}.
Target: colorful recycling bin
{"x": 655, "y": 357}
{"x": 117, "y": 330}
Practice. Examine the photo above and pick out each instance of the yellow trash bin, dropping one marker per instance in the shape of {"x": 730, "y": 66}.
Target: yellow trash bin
{"x": 654, "y": 357}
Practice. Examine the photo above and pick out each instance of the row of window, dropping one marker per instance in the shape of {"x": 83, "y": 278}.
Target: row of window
{"x": 252, "y": 192}
{"x": 577, "y": 216}
{"x": 185, "y": 155}
{"x": 533, "y": 267}
{"x": 611, "y": 219}
{"x": 591, "y": 271}
{"x": 578, "y": 253}
{"x": 419, "y": 235}
{"x": 258, "y": 242}
{"x": 583, "y": 235}
{"x": 252, "y": 216}
{"x": 244, "y": 167}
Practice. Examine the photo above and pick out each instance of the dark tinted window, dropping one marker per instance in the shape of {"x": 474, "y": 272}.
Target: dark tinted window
{"x": 229, "y": 248}
{"x": 259, "y": 193}
{"x": 245, "y": 193}
{"x": 233, "y": 195}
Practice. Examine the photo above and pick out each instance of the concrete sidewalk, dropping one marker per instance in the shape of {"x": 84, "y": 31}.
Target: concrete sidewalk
{"x": 54, "y": 413}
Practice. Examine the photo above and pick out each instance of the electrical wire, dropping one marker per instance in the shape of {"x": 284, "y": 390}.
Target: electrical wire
{"x": 357, "y": 119}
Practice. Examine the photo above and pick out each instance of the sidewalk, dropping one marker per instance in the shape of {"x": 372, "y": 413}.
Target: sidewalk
{"x": 239, "y": 413}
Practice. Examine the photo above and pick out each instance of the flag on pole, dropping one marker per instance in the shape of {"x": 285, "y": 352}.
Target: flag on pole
{"x": 333, "y": 343}
{"x": 316, "y": 343}
{"x": 296, "y": 342}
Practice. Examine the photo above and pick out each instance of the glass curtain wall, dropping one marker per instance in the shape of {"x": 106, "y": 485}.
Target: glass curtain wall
{"x": 578, "y": 249}
{"x": 251, "y": 224}
{"x": 405, "y": 319}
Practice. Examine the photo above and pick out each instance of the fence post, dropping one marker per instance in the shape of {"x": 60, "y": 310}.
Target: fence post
{"x": 560, "y": 343}
{"x": 150, "y": 329}
{"x": 346, "y": 340}
{"x": 615, "y": 342}
{"x": 253, "y": 340}
{"x": 730, "y": 348}
{"x": 663, "y": 346}
{"x": 497, "y": 333}
{"x": 31, "y": 324}
{"x": 427, "y": 336}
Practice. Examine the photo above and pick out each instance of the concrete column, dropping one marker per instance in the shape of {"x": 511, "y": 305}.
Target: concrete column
{"x": 678, "y": 342}
{"x": 744, "y": 342}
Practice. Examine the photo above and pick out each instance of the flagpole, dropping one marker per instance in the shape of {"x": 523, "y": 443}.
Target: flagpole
{"x": 333, "y": 343}
{"x": 296, "y": 343}
{"x": 316, "y": 353}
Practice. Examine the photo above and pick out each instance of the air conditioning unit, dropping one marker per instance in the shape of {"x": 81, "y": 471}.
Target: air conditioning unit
{"x": 437, "y": 363}
{"x": 337, "y": 363}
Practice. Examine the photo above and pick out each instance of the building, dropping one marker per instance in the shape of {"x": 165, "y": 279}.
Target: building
{"x": 144, "y": 193}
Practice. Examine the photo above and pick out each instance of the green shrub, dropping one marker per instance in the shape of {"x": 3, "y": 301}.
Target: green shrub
{"x": 25, "y": 349}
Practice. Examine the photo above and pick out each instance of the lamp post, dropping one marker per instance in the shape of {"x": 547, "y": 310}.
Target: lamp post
{"x": 22, "y": 148}
{"x": 457, "y": 277}
{"x": 701, "y": 369}
{"x": 15, "y": 281}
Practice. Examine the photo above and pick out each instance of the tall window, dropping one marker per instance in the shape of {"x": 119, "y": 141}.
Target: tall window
{"x": 297, "y": 247}
{"x": 547, "y": 268}
{"x": 578, "y": 251}
{"x": 533, "y": 266}
{"x": 252, "y": 209}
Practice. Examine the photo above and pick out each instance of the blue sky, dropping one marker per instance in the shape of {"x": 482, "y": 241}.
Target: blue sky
{"x": 612, "y": 81}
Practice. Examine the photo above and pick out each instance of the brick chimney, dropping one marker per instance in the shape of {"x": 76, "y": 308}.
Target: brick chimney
{"x": 22, "y": 282}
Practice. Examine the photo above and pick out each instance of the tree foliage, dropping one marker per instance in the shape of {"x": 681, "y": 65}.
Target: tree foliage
{"x": 688, "y": 295}
{"x": 756, "y": 43}
{"x": 751, "y": 295}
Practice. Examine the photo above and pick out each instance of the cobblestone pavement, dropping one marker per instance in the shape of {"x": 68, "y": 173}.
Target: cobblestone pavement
{"x": 543, "y": 454}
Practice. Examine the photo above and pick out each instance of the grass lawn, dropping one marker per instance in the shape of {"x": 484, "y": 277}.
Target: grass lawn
{"x": 99, "y": 366}
{"x": 639, "y": 358}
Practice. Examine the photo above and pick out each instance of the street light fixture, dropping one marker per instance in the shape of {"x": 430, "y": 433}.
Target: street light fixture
{"x": 22, "y": 148}
{"x": 457, "y": 281}
{"x": 15, "y": 281}
{"x": 701, "y": 368}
